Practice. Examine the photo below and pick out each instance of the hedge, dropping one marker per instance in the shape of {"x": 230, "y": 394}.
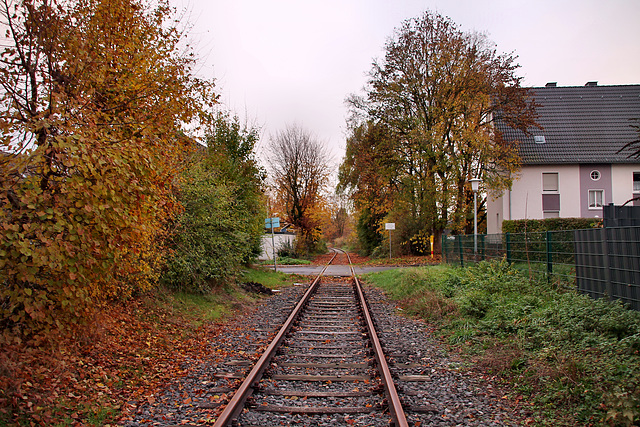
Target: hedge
{"x": 549, "y": 224}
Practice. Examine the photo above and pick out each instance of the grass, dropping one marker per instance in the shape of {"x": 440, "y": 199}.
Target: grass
{"x": 270, "y": 278}
{"x": 404, "y": 260}
{"x": 577, "y": 360}
{"x": 287, "y": 261}
{"x": 201, "y": 309}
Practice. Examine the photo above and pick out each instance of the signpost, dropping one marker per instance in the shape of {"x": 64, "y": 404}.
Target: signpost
{"x": 389, "y": 226}
{"x": 273, "y": 223}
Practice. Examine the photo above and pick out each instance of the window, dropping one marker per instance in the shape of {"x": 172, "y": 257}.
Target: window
{"x": 551, "y": 203}
{"x": 595, "y": 175}
{"x": 636, "y": 182}
{"x": 596, "y": 199}
{"x": 550, "y": 181}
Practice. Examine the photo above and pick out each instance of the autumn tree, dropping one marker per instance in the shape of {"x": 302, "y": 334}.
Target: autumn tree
{"x": 436, "y": 92}
{"x": 337, "y": 220}
{"x": 222, "y": 223}
{"x": 367, "y": 176}
{"x": 94, "y": 97}
{"x": 299, "y": 165}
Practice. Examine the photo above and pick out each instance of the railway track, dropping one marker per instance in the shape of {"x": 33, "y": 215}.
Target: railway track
{"x": 326, "y": 359}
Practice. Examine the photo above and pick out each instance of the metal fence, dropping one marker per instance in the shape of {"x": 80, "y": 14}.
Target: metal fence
{"x": 600, "y": 262}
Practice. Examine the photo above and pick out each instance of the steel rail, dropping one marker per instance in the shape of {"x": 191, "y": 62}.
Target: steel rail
{"x": 395, "y": 405}
{"x": 235, "y": 405}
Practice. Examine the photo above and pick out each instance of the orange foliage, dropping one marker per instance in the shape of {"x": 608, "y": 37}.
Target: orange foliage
{"x": 129, "y": 352}
{"x": 89, "y": 158}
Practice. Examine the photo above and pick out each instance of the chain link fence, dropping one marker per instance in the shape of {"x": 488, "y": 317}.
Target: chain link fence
{"x": 600, "y": 262}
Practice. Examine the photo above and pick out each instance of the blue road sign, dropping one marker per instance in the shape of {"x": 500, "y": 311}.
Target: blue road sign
{"x": 272, "y": 222}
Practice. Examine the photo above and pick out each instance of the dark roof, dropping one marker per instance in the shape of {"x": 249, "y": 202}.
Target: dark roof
{"x": 580, "y": 124}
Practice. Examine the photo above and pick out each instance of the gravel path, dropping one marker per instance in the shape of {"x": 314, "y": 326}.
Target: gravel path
{"x": 434, "y": 390}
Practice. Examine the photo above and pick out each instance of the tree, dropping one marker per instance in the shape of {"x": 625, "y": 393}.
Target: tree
{"x": 94, "y": 97}
{"x": 634, "y": 146}
{"x": 222, "y": 223}
{"x": 336, "y": 221}
{"x": 367, "y": 175}
{"x": 437, "y": 92}
{"x": 300, "y": 168}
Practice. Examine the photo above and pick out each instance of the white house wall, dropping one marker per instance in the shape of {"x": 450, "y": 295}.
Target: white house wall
{"x": 496, "y": 212}
{"x": 525, "y": 198}
{"x": 526, "y": 194}
{"x": 622, "y": 178}
{"x": 280, "y": 241}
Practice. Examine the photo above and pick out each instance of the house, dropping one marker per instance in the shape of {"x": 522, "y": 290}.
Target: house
{"x": 573, "y": 166}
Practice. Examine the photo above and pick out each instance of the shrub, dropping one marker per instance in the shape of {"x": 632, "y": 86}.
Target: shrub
{"x": 475, "y": 303}
{"x": 548, "y": 224}
{"x": 369, "y": 238}
{"x": 222, "y": 224}
{"x": 287, "y": 249}
{"x": 576, "y": 359}
{"x": 88, "y": 154}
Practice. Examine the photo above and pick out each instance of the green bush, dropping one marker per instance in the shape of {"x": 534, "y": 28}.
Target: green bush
{"x": 222, "y": 224}
{"x": 369, "y": 238}
{"x": 287, "y": 250}
{"x": 548, "y": 224}
{"x": 576, "y": 359}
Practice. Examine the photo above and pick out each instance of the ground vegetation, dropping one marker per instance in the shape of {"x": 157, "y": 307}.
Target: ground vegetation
{"x": 221, "y": 226}
{"x": 571, "y": 359}
{"x": 95, "y": 95}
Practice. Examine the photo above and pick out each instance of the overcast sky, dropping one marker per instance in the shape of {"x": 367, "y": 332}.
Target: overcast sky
{"x": 278, "y": 62}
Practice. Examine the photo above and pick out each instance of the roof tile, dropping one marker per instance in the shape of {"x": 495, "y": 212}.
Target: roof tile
{"x": 581, "y": 124}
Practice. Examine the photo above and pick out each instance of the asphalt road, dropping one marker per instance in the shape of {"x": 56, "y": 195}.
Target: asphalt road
{"x": 332, "y": 270}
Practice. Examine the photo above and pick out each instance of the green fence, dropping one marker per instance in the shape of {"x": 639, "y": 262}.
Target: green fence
{"x": 602, "y": 262}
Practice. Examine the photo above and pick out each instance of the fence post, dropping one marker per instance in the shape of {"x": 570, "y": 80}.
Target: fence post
{"x": 508, "y": 242}
{"x": 482, "y": 236}
{"x": 607, "y": 271}
{"x": 443, "y": 246}
{"x": 549, "y": 255}
{"x": 459, "y": 239}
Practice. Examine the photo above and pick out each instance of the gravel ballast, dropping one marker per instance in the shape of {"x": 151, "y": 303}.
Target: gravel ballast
{"x": 434, "y": 390}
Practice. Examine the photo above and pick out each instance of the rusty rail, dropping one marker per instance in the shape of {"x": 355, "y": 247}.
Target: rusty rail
{"x": 233, "y": 409}
{"x": 235, "y": 405}
{"x": 395, "y": 405}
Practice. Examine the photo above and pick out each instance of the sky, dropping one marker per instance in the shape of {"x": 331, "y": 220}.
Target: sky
{"x": 284, "y": 62}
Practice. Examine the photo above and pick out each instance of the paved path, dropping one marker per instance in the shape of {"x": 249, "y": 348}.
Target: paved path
{"x": 332, "y": 270}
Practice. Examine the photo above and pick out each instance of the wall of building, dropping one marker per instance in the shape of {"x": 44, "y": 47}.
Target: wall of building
{"x": 587, "y": 183}
{"x": 525, "y": 198}
{"x": 526, "y": 194}
{"x": 496, "y": 203}
{"x": 622, "y": 178}
{"x": 279, "y": 239}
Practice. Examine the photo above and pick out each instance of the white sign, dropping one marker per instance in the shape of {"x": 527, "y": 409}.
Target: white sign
{"x": 389, "y": 225}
